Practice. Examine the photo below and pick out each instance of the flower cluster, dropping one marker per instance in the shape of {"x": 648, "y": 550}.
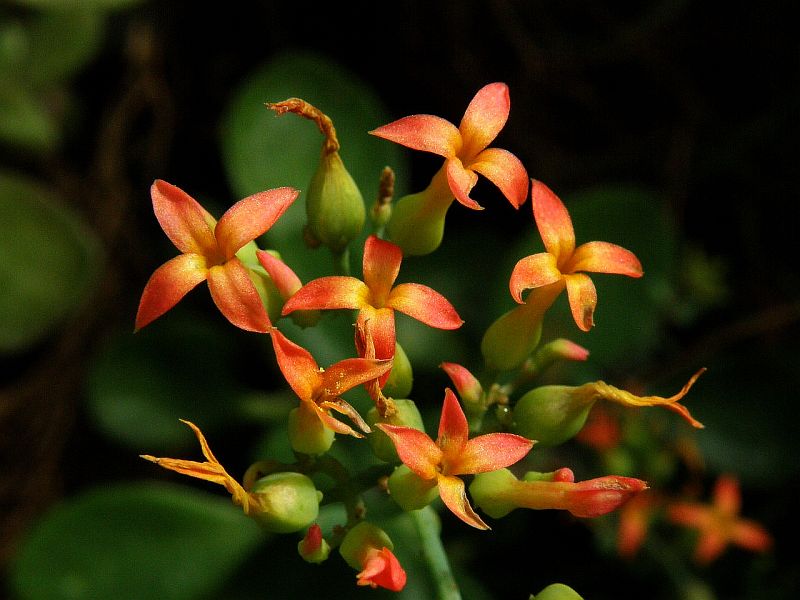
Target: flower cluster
{"x": 500, "y": 415}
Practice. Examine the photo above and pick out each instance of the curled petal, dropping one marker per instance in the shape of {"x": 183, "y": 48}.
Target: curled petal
{"x": 329, "y": 293}
{"x": 382, "y": 569}
{"x": 603, "y": 257}
{"x": 381, "y": 265}
{"x": 453, "y": 427}
{"x": 461, "y": 182}
{"x": 415, "y": 449}
{"x": 168, "y": 284}
{"x": 343, "y": 407}
{"x": 582, "y": 299}
{"x": 537, "y": 270}
{"x": 348, "y": 373}
{"x": 236, "y": 296}
{"x": 484, "y": 118}
{"x": 553, "y": 221}
{"x": 249, "y": 218}
{"x": 505, "y": 171}
{"x": 467, "y": 385}
{"x": 187, "y": 224}
{"x": 282, "y": 276}
{"x": 489, "y": 452}
{"x": 425, "y": 305}
{"x": 452, "y": 493}
{"x": 380, "y": 324}
{"x": 335, "y": 424}
{"x": 423, "y": 132}
{"x": 297, "y": 365}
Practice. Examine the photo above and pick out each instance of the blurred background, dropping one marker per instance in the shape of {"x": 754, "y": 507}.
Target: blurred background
{"x": 669, "y": 127}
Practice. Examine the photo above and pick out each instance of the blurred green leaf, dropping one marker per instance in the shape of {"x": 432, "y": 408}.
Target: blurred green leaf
{"x": 134, "y": 541}
{"x": 25, "y": 121}
{"x": 263, "y": 151}
{"x": 50, "y": 260}
{"x": 140, "y": 385}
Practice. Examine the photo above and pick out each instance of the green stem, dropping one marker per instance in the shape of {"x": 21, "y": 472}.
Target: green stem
{"x": 429, "y": 527}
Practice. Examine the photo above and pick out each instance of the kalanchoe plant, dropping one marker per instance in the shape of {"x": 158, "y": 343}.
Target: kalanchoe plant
{"x": 253, "y": 288}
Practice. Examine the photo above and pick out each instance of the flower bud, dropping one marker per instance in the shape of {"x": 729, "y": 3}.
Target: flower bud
{"x": 307, "y": 433}
{"x": 288, "y": 502}
{"x": 401, "y": 377}
{"x": 368, "y": 549}
{"x": 510, "y": 339}
{"x": 405, "y": 414}
{"x": 313, "y": 547}
{"x": 552, "y": 414}
{"x": 557, "y": 591}
{"x": 417, "y": 223}
{"x": 410, "y": 491}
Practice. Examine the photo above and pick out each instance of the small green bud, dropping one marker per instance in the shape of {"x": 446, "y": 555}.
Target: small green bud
{"x": 359, "y": 540}
{"x": 307, "y": 433}
{"x": 406, "y": 415}
{"x": 313, "y": 547}
{"x": 334, "y": 205}
{"x": 401, "y": 378}
{"x": 552, "y": 414}
{"x": 417, "y": 223}
{"x": 410, "y": 491}
{"x": 487, "y": 489}
{"x": 290, "y": 502}
{"x": 510, "y": 339}
{"x": 557, "y": 591}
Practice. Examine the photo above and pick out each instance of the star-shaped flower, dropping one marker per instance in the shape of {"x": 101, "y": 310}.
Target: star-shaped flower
{"x": 376, "y": 298}
{"x": 454, "y": 454}
{"x": 209, "y": 254}
{"x": 563, "y": 262}
{"x": 719, "y": 524}
{"x": 465, "y": 147}
{"x": 320, "y": 389}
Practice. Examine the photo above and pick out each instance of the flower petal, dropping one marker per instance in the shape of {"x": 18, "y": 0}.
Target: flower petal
{"x": 168, "y": 284}
{"x": 343, "y": 407}
{"x": 489, "y": 452}
{"x": 604, "y": 257}
{"x": 187, "y": 224}
{"x": 452, "y": 493}
{"x": 299, "y": 368}
{"x": 382, "y": 569}
{"x": 453, "y": 427}
{"x": 381, "y": 326}
{"x": 282, "y": 276}
{"x": 381, "y": 265}
{"x": 332, "y": 292}
{"x": 467, "y": 385}
{"x": 347, "y": 374}
{"x": 505, "y": 171}
{"x": 426, "y": 305}
{"x": 249, "y": 218}
{"x": 236, "y": 297}
{"x": 727, "y": 497}
{"x": 484, "y": 118}
{"x": 332, "y": 423}
{"x": 553, "y": 221}
{"x": 582, "y": 299}
{"x": 751, "y": 535}
{"x": 415, "y": 449}
{"x": 423, "y": 132}
{"x": 536, "y": 270}
{"x": 461, "y": 182}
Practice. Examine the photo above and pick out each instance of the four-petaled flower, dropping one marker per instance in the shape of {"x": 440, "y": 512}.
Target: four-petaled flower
{"x": 209, "y": 254}
{"x": 465, "y": 147}
{"x": 719, "y": 524}
{"x": 563, "y": 262}
{"x": 454, "y": 454}
{"x": 376, "y": 299}
{"x": 320, "y": 389}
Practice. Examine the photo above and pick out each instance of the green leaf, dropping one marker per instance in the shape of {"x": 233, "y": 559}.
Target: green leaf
{"x": 25, "y": 120}
{"x": 134, "y": 541}
{"x": 92, "y": 4}
{"x": 262, "y": 150}
{"x": 50, "y": 260}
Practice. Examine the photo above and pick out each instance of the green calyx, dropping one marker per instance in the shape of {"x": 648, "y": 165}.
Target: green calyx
{"x": 307, "y": 433}
{"x": 410, "y": 491}
{"x": 552, "y": 414}
{"x": 289, "y": 500}
{"x": 359, "y": 540}
{"x": 401, "y": 377}
{"x": 557, "y": 591}
{"x": 406, "y": 415}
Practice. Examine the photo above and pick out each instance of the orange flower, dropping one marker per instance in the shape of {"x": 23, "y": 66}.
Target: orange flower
{"x": 465, "y": 147}
{"x": 376, "y": 298}
{"x": 564, "y": 263}
{"x": 454, "y": 454}
{"x": 209, "y": 254}
{"x": 634, "y": 523}
{"x": 719, "y": 524}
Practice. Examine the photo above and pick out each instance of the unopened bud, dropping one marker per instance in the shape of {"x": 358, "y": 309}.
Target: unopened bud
{"x": 552, "y": 414}
{"x": 288, "y": 501}
{"x": 557, "y": 591}
{"x": 313, "y": 547}
{"x": 401, "y": 377}
{"x": 307, "y": 433}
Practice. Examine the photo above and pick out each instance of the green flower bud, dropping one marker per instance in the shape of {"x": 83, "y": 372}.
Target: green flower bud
{"x": 313, "y": 547}
{"x": 406, "y": 415}
{"x": 417, "y": 223}
{"x": 359, "y": 540}
{"x": 334, "y": 205}
{"x": 401, "y": 378}
{"x": 307, "y": 433}
{"x": 486, "y": 491}
{"x": 410, "y": 491}
{"x": 552, "y": 414}
{"x": 557, "y": 591}
{"x": 290, "y": 502}
{"x": 510, "y": 339}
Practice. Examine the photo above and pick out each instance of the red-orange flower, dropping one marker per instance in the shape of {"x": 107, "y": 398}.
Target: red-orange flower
{"x": 563, "y": 262}
{"x": 209, "y": 253}
{"x": 719, "y": 523}
{"x": 465, "y": 147}
{"x": 382, "y": 569}
{"x": 454, "y": 454}
{"x": 376, "y": 298}
{"x": 320, "y": 389}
